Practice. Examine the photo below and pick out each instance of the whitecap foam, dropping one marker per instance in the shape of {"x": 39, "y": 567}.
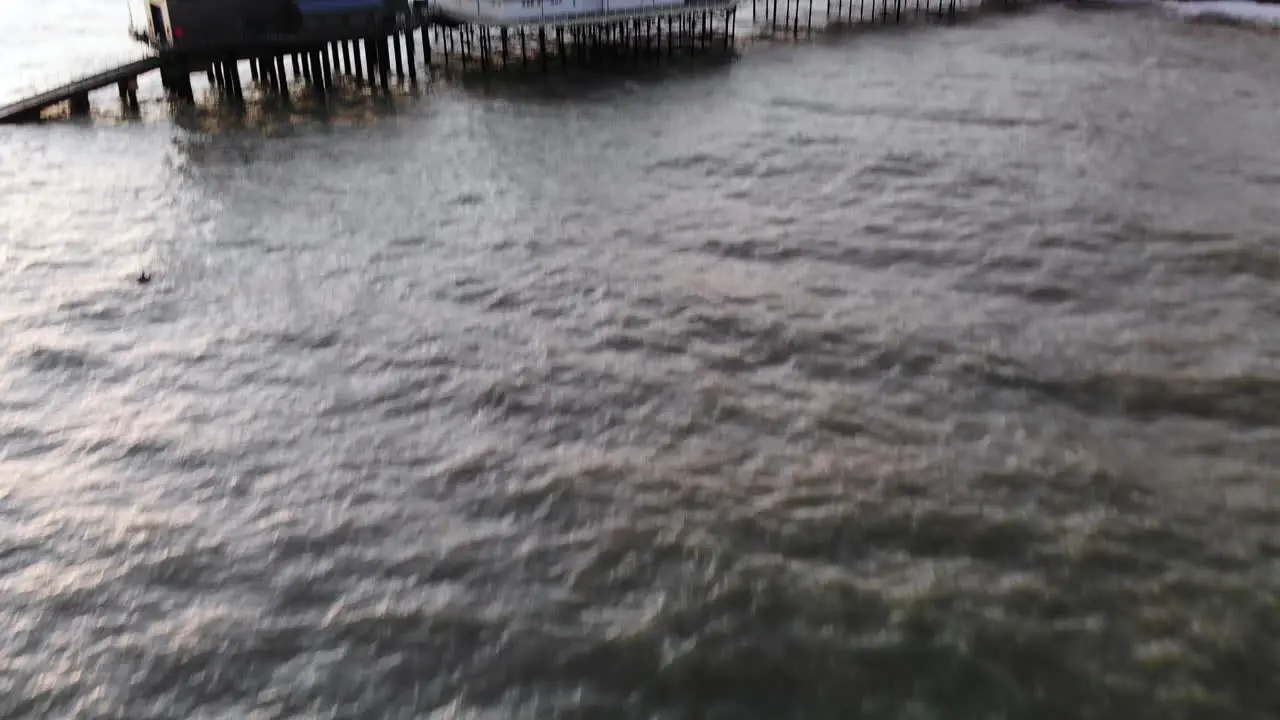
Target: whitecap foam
{"x": 1251, "y": 13}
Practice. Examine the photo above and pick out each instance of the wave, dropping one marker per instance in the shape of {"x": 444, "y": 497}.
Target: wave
{"x": 1241, "y": 12}
{"x": 1236, "y": 11}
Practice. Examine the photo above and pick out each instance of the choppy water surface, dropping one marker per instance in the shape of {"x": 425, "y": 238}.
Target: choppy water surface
{"x": 929, "y": 373}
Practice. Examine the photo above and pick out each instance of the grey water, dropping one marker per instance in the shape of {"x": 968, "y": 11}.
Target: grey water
{"x": 924, "y": 373}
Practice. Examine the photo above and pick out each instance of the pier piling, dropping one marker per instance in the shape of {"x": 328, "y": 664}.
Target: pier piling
{"x": 233, "y": 74}
{"x": 626, "y": 37}
{"x": 384, "y": 64}
{"x": 396, "y": 51}
{"x": 282, "y": 79}
{"x": 79, "y": 104}
{"x": 411, "y": 60}
{"x": 129, "y": 93}
{"x": 316, "y": 70}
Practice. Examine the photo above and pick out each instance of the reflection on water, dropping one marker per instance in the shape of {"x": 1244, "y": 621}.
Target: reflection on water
{"x": 902, "y": 375}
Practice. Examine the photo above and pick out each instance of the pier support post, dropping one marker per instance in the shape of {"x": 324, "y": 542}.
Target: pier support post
{"x": 397, "y": 51}
{"x": 370, "y": 61}
{"x": 233, "y": 77}
{"x": 542, "y": 47}
{"x": 182, "y": 85}
{"x": 129, "y": 94}
{"x": 318, "y": 68}
{"x": 326, "y": 59}
{"x": 267, "y": 69}
{"x": 282, "y": 79}
{"x": 384, "y": 66}
{"x": 411, "y": 53}
{"x": 313, "y": 64}
{"x": 79, "y": 105}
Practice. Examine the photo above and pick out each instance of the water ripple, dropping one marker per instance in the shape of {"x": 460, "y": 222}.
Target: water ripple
{"x": 900, "y": 376}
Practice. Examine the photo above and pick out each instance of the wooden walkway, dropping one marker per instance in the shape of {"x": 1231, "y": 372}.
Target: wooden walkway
{"x": 31, "y": 107}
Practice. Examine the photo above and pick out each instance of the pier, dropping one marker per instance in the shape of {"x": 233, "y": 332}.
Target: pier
{"x": 76, "y": 93}
{"x": 364, "y": 44}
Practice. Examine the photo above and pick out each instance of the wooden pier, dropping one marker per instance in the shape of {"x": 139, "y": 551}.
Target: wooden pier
{"x": 446, "y": 35}
{"x": 76, "y": 93}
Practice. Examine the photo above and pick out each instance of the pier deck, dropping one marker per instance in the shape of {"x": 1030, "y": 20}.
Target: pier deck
{"x": 484, "y": 35}
{"x": 30, "y": 108}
